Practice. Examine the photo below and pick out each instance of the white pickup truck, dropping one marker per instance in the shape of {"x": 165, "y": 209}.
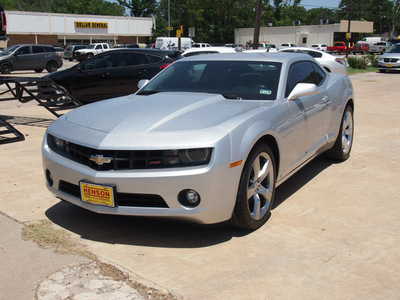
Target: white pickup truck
{"x": 91, "y": 50}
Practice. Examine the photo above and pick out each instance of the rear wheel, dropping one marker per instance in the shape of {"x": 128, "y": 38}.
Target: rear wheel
{"x": 5, "y": 68}
{"x": 344, "y": 142}
{"x": 51, "y": 66}
{"x": 256, "y": 189}
{"x": 39, "y": 71}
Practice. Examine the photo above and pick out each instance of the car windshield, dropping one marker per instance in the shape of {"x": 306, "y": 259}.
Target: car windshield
{"x": 395, "y": 49}
{"x": 9, "y": 50}
{"x": 256, "y": 80}
{"x": 90, "y": 47}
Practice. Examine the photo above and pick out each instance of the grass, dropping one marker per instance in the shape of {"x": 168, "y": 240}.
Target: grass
{"x": 356, "y": 71}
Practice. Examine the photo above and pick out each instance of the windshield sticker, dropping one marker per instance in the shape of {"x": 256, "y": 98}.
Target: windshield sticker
{"x": 265, "y": 92}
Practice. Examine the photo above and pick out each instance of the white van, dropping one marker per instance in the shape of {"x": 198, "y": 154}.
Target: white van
{"x": 171, "y": 43}
{"x": 371, "y": 40}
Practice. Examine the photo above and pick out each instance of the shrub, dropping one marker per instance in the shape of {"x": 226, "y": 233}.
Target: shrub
{"x": 358, "y": 63}
{"x": 373, "y": 60}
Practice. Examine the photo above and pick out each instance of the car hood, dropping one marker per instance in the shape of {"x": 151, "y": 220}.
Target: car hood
{"x": 390, "y": 55}
{"x": 160, "y": 112}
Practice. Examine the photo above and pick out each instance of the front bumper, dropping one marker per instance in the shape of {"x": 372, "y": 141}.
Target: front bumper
{"x": 216, "y": 184}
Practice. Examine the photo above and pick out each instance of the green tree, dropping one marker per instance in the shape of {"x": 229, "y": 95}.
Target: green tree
{"x": 140, "y": 8}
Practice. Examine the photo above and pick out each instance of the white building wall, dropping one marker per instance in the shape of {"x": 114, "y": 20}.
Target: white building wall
{"x": 314, "y": 34}
{"x": 64, "y": 24}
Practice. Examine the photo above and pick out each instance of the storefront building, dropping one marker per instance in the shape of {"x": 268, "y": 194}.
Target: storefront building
{"x": 64, "y": 29}
{"x": 306, "y": 36}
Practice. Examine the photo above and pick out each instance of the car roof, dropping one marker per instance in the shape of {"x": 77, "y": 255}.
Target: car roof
{"x": 259, "y": 56}
{"x": 221, "y": 49}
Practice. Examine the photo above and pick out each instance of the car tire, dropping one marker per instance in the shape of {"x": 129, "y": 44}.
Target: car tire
{"x": 5, "y": 68}
{"x": 51, "y": 66}
{"x": 382, "y": 71}
{"x": 89, "y": 55}
{"x": 344, "y": 142}
{"x": 39, "y": 71}
{"x": 70, "y": 59}
{"x": 256, "y": 191}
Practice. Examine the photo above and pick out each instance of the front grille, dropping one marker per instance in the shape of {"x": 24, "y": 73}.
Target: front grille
{"x": 390, "y": 60}
{"x": 122, "y": 199}
{"x": 120, "y": 159}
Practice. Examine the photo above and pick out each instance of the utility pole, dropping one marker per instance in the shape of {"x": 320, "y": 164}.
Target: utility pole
{"x": 180, "y": 26}
{"x": 348, "y": 29}
{"x": 257, "y": 25}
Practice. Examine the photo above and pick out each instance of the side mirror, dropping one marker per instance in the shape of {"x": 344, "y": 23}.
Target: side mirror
{"x": 142, "y": 83}
{"x": 303, "y": 89}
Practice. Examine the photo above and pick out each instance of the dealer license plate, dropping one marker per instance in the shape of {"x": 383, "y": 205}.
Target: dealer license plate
{"x": 98, "y": 194}
{"x": 389, "y": 65}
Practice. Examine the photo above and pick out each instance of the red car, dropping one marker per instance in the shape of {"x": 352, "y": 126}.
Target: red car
{"x": 362, "y": 48}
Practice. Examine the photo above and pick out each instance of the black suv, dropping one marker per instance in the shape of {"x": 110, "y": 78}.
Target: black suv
{"x": 113, "y": 73}
{"x": 29, "y": 57}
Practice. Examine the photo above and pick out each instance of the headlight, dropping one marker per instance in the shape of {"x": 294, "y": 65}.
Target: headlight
{"x": 58, "y": 143}
{"x": 187, "y": 157}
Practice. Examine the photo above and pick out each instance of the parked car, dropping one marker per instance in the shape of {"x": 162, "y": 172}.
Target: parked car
{"x": 238, "y": 47}
{"x": 390, "y": 61}
{"x": 321, "y": 47}
{"x": 91, "y": 50}
{"x": 206, "y": 140}
{"x": 126, "y": 46}
{"x": 208, "y": 50}
{"x": 380, "y": 47}
{"x": 70, "y": 51}
{"x": 59, "y": 51}
{"x": 113, "y": 73}
{"x": 362, "y": 48}
{"x": 29, "y": 57}
{"x": 286, "y": 45}
{"x": 200, "y": 45}
{"x": 328, "y": 61}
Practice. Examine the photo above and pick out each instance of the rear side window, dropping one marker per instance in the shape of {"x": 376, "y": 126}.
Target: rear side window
{"x": 304, "y": 72}
{"x": 154, "y": 59}
{"x": 133, "y": 59}
{"x": 49, "y": 49}
{"x": 37, "y": 49}
{"x": 311, "y": 53}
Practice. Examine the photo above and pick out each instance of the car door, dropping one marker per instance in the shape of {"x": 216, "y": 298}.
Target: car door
{"x": 133, "y": 66}
{"x": 22, "y": 58}
{"x": 310, "y": 114}
{"x": 91, "y": 79}
{"x": 39, "y": 57}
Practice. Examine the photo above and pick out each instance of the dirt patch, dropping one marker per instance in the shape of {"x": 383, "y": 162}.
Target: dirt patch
{"x": 46, "y": 235}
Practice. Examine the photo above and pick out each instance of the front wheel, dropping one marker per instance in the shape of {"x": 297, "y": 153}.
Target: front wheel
{"x": 344, "y": 142}
{"x": 5, "y": 68}
{"x": 256, "y": 189}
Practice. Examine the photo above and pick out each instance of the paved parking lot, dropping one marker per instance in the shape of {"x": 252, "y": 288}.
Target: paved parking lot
{"x": 334, "y": 232}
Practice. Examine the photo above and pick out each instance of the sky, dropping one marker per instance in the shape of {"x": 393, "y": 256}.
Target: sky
{"x": 309, "y": 4}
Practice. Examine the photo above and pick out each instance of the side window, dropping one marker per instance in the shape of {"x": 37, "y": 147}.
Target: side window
{"x": 37, "y": 49}
{"x": 24, "y": 50}
{"x": 314, "y": 54}
{"x": 49, "y": 49}
{"x": 289, "y": 50}
{"x": 319, "y": 74}
{"x": 98, "y": 47}
{"x": 301, "y": 72}
{"x": 133, "y": 59}
{"x": 99, "y": 62}
{"x": 154, "y": 59}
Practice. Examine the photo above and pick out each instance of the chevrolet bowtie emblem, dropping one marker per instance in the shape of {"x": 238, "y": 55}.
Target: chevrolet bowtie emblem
{"x": 100, "y": 159}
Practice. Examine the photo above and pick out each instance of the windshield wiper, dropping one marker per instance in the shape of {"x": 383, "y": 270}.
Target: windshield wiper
{"x": 147, "y": 92}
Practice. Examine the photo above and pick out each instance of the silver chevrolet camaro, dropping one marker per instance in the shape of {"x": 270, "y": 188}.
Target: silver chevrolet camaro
{"x": 207, "y": 140}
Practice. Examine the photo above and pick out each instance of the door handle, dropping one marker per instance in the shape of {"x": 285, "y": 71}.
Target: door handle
{"x": 106, "y": 74}
{"x": 325, "y": 99}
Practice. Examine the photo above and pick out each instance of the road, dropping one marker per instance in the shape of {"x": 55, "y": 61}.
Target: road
{"x": 334, "y": 232}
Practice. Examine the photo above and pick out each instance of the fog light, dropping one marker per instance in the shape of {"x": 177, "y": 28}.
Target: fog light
{"x": 189, "y": 198}
{"x": 49, "y": 179}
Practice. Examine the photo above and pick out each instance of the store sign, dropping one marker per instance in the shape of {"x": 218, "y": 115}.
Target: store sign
{"x": 80, "y": 24}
